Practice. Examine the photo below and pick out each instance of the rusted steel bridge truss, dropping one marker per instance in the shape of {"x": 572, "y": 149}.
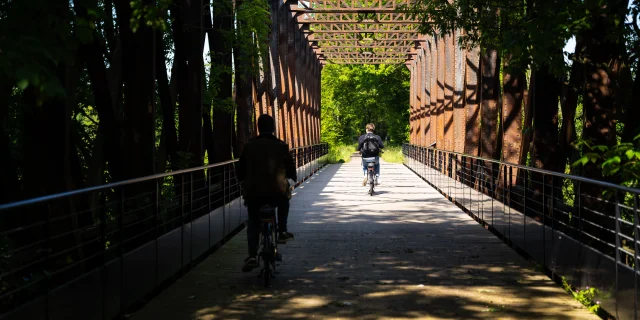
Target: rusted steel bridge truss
{"x": 454, "y": 97}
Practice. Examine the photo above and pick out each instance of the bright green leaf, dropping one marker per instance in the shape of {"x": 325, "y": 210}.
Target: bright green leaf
{"x": 23, "y": 84}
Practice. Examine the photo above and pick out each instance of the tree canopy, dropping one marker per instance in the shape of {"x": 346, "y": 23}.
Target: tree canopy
{"x": 354, "y": 95}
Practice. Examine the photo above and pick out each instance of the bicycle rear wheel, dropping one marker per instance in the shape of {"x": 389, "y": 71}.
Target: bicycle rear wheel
{"x": 266, "y": 261}
{"x": 371, "y": 182}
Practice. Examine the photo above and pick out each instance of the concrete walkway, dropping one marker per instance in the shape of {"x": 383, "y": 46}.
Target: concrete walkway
{"x": 405, "y": 253}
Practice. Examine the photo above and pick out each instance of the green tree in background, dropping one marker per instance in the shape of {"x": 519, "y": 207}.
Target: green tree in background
{"x": 354, "y": 95}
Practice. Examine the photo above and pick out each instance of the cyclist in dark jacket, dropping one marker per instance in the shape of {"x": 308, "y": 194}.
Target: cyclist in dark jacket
{"x": 265, "y": 168}
{"x": 368, "y": 154}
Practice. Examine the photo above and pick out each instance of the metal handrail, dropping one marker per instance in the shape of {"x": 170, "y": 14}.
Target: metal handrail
{"x": 570, "y": 240}
{"x": 554, "y": 173}
{"x": 31, "y": 201}
{"x": 182, "y": 225}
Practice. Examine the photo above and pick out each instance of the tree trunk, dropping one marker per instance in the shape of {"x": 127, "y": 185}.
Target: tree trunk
{"x": 188, "y": 59}
{"x": 545, "y": 114}
{"x": 207, "y": 132}
{"x": 9, "y": 182}
{"x": 544, "y": 92}
{"x": 108, "y": 127}
{"x": 632, "y": 113}
{"x": 169, "y": 140}
{"x": 603, "y": 48}
{"x": 244, "y": 93}
{"x": 139, "y": 135}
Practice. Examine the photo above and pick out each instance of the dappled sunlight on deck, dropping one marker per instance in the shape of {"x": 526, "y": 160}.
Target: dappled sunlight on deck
{"x": 405, "y": 253}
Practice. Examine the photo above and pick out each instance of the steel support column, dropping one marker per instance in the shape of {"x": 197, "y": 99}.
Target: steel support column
{"x": 433, "y": 126}
{"x": 319, "y": 116}
{"x": 459, "y": 116}
{"x": 427, "y": 93}
{"x": 440, "y": 107}
{"x": 472, "y": 109}
{"x": 412, "y": 125}
{"x": 308, "y": 85}
{"x": 449, "y": 69}
{"x": 489, "y": 68}
{"x": 292, "y": 62}
{"x": 419, "y": 106}
{"x": 420, "y": 93}
{"x": 315, "y": 99}
{"x": 274, "y": 57}
{"x": 283, "y": 32}
{"x": 514, "y": 87}
{"x": 290, "y": 65}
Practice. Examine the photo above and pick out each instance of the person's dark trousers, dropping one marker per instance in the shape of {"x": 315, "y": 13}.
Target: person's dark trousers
{"x": 253, "y": 228}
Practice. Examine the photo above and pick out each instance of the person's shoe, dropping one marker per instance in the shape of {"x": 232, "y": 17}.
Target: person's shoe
{"x": 283, "y": 237}
{"x": 364, "y": 182}
{"x": 377, "y": 180}
{"x": 250, "y": 263}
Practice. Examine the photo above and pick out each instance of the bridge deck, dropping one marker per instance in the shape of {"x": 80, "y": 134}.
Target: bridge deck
{"x": 406, "y": 253}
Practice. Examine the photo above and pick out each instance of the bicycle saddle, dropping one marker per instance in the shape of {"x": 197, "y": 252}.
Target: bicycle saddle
{"x": 267, "y": 208}
{"x": 267, "y": 211}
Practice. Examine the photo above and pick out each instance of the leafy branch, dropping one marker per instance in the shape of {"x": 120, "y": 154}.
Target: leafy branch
{"x": 621, "y": 161}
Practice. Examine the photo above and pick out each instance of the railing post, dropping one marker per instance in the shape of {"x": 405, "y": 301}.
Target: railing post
{"x": 224, "y": 202}
{"x": 618, "y": 245}
{"x": 454, "y": 168}
{"x": 579, "y": 203}
{"x": 156, "y": 227}
{"x": 103, "y": 244}
{"x": 46, "y": 263}
{"x": 544, "y": 225}
{"x": 635, "y": 253}
{"x": 182, "y": 198}
{"x": 510, "y": 177}
{"x": 524, "y": 210}
{"x": 552, "y": 216}
{"x": 121, "y": 247}
{"x": 504, "y": 196}
{"x": 209, "y": 204}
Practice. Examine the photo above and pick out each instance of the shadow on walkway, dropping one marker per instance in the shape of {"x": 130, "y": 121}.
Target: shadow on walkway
{"x": 406, "y": 253}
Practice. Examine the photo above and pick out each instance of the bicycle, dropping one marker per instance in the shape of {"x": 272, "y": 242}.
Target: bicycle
{"x": 269, "y": 244}
{"x": 371, "y": 164}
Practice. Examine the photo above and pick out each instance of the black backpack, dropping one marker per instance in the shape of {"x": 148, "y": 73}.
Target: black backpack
{"x": 370, "y": 145}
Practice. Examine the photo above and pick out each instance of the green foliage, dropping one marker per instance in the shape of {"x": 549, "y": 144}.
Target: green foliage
{"x": 153, "y": 15}
{"x": 252, "y": 33}
{"x": 586, "y": 296}
{"x": 620, "y": 161}
{"x": 340, "y": 153}
{"x": 528, "y": 32}
{"x": 31, "y": 51}
{"x": 393, "y": 154}
{"x": 354, "y": 95}
{"x": 524, "y": 37}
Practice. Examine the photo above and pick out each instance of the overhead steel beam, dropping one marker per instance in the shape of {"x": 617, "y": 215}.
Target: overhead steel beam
{"x": 363, "y": 27}
{"x": 362, "y": 61}
{"x": 366, "y": 44}
{"x": 348, "y": 18}
{"x": 342, "y": 32}
{"x": 338, "y": 48}
{"x": 364, "y": 56}
{"x": 362, "y": 36}
{"x": 341, "y": 4}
